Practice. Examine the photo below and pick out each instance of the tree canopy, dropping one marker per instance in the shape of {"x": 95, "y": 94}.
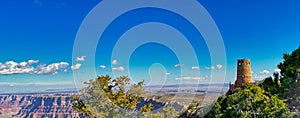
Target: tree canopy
{"x": 250, "y": 101}
{"x": 104, "y": 97}
{"x": 290, "y": 71}
{"x": 266, "y": 99}
{"x": 290, "y": 67}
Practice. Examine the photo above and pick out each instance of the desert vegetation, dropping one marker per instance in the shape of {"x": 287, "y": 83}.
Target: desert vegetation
{"x": 276, "y": 96}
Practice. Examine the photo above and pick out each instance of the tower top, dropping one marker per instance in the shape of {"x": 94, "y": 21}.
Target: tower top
{"x": 244, "y": 60}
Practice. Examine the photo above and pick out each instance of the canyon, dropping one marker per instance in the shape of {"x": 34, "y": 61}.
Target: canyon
{"x": 37, "y": 105}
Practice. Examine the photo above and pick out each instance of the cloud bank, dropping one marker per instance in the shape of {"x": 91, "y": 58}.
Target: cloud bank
{"x": 115, "y": 62}
{"x": 197, "y": 78}
{"x": 120, "y": 68}
{"x": 34, "y": 67}
{"x": 262, "y": 74}
{"x": 102, "y": 66}
{"x": 76, "y": 66}
{"x": 178, "y": 65}
{"x": 195, "y": 67}
{"x": 219, "y": 66}
{"x": 81, "y": 58}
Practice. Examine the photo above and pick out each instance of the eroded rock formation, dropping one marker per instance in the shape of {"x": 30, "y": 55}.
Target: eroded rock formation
{"x": 37, "y": 106}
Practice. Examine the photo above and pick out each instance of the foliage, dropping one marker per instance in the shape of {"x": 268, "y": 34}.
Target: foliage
{"x": 290, "y": 68}
{"x": 195, "y": 110}
{"x": 290, "y": 71}
{"x": 104, "y": 97}
{"x": 272, "y": 86}
{"x": 264, "y": 100}
{"x": 170, "y": 112}
{"x": 281, "y": 83}
{"x": 251, "y": 101}
{"x": 146, "y": 110}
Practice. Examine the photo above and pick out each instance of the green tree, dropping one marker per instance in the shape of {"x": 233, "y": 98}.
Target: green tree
{"x": 157, "y": 115}
{"x": 195, "y": 110}
{"x": 264, "y": 100}
{"x": 250, "y": 101}
{"x": 290, "y": 77}
{"x": 272, "y": 86}
{"x": 170, "y": 112}
{"x": 290, "y": 68}
{"x": 146, "y": 110}
{"x": 104, "y": 97}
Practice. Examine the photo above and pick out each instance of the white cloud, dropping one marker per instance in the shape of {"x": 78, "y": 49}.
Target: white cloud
{"x": 33, "y": 61}
{"x": 11, "y": 67}
{"x": 210, "y": 68}
{"x": 23, "y": 63}
{"x": 102, "y": 66}
{"x": 195, "y": 67}
{"x": 178, "y": 65}
{"x": 30, "y": 67}
{"x": 76, "y": 66}
{"x": 219, "y": 66}
{"x": 264, "y": 72}
{"x": 51, "y": 68}
{"x": 259, "y": 76}
{"x": 35, "y": 83}
{"x": 81, "y": 58}
{"x": 115, "y": 62}
{"x": 277, "y": 70}
{"x": 168, "y": 74}
{"x": 198, "y": 78}
{"x": 120, "y": 68}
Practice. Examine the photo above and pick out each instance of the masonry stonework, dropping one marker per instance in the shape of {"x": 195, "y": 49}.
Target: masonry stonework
{"x": 244, "y": 74}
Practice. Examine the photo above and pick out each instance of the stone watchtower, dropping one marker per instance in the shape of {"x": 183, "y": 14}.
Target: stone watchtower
{"x": 244, "y": 74}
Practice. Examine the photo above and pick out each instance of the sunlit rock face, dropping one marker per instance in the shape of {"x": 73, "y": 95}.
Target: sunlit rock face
{"x": 37, "y": 106}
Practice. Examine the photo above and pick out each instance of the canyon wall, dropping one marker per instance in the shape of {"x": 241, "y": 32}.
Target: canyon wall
{"x": 37, "y": 106}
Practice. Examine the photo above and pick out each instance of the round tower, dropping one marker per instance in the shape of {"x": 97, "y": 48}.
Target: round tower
{"x": 244, "y": 74}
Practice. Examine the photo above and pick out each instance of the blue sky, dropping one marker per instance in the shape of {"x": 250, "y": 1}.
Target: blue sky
{"x": 43, "y": 31}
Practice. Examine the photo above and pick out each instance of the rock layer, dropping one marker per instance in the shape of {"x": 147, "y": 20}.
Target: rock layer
{"x": 37, "y": 106}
